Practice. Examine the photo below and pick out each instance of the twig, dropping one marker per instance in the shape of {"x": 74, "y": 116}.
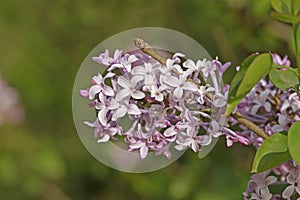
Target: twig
{"x": 253, "y": 127}
{"x": 147, "y": 49}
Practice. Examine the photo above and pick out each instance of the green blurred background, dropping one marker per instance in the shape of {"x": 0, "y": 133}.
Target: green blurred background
{"x": 42, "y": 44}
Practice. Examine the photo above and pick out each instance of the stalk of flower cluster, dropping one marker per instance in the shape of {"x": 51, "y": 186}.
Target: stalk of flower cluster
{"x": 147, "y": 49}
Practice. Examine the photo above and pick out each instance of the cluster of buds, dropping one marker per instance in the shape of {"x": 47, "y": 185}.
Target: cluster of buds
{"x": 179, "y": 101}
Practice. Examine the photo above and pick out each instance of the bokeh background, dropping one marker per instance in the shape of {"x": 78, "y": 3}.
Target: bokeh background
{"x": 42, "y": 44}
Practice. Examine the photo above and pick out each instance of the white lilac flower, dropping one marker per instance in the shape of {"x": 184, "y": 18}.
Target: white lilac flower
{"x": 190, "y": 139}
{"x": 100, "y": 86}
{"x": 105, "y": 59}
{"x": 294, "y": 180}
{"x": 180, "y": 84}
{"x": 156, "y": 92}
{"x": 120, "y": 109}
{"x": 102, "y": 106}
{"x": 125, "y": 63}
{"x": 146, "y": 71}
{"x": 203, "y": 90}
{"x": 261, "y": 101}
{"x": 282, "y": 125}
{"x": 281, "y": 61}
{"x": 170, "y": 67}
{"x": 129, "y": 88}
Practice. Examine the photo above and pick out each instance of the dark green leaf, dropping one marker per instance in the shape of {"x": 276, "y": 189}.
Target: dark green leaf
{"x": 294, "y": 141}
{"x": 284, "y": 79}
{"x": 281, "y": 6}
{"x": 271, "y": 153}
{"x": 252, "y": 70}
{"x": 287, "y": 18}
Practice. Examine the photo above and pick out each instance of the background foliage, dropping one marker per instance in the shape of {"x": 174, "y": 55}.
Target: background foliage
{"x": 42, "y": 44}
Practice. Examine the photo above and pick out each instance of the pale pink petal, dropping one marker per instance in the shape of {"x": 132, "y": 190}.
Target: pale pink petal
{"x": 109, "y": 75}
{"x": 255, "y": 109}
{"x": 204, "y": 140}
{"x": 169, "y": 132}
{"x": 143, "y": 151}
{"x": 84, "y": 93}
{"x": 102, "y": 116}
{"x": 190, "y": 86}
{"x": 288, "y": 192}
{"x": 159, "y": 97}
{"x": 105, "y": 138}
{"x": 135, "y": 80}
{"x": 269, "y": 180}
{"x": 123, "y": 82}
{"x": 190, "y": 64}
{"x": 108, "y": 91}
{"x": 113, "y": 105}
{"x": 132, "y": 58}
{"x": 137, "y": 94}
{"x": 148, "y": 79}
{"x": 195, "y": 146}
{"x": 97, "y": 79}
{"x": 267, "y": 106}
{"x": 178, "y": 92}
{"x": 172, "y": 81}
{"x": 122, "y": 94}
{"x": 136, "y": 145}
{"x": 94, "y": 90}
{"x": 133, "y": 110}
{"x": 138, "y": 70}
{"x": 120, "y": 112}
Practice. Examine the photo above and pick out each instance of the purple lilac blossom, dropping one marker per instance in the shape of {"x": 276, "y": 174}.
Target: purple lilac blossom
{"x": 167, "y": 104}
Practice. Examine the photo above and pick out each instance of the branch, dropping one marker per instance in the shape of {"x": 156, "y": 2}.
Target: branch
{"x": 253, "y": 127}
{"x": 147, "y": 49}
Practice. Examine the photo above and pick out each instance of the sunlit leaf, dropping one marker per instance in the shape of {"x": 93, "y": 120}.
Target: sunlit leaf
{"x": 271, "y": 153}
{"x": 294, "y": 141}
{"x": 282, "y": 6}
{"x": 287, "y": 18}
{"x": 252, "y": 69}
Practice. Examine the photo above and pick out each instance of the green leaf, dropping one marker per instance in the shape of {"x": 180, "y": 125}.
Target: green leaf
{"x": 284, "y": 79}
{"x": 253, "y": 68}
{"x": 281, "y": 6}
{"x": 296, "y": 7}
{"x": 287, "y": 18}
{"x": 294, "y": 141}
{"x": 272, "y": 152}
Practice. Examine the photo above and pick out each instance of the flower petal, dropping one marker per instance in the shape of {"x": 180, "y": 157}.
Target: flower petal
{"x": 122, "y": 94}
{"x": 143, "y": 151}
{"x": 105, "y": 138}
{"x": 120, "y": 112}
{"x": 190, "y": 86}
{"x": 137, "y": 94}
{"x": 95, "y": 89}
{"x": 135, "y": 80}
{"x": 171, "y": 81}
{"x": 108, "y": 91}
{"x": 288, "y": 192}
{"x": 102, "y": 116}
{"x": 133, "y": 110}
{"x": 178, "y": 92}
{"x": 123, "y": 82}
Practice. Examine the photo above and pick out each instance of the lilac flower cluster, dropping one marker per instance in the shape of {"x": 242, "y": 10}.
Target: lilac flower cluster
{"x": 273, "y": 110}
{"x": 181, "y": 102}
{"x": 10, "y": 108}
